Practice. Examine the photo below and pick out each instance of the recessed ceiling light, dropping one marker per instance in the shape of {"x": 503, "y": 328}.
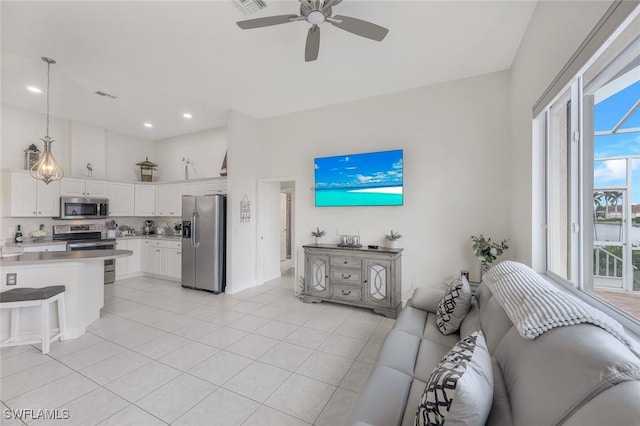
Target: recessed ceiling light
{"x": 187, "y": 115}
{"x": 34, "y": 89}
{"x": 148, "y": 125}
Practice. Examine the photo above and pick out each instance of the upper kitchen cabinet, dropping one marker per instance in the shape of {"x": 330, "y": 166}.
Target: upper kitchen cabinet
{"x": 73, "y": 187}
{"x": 25, "y": 196}
{"x": 169, "y": 199}
{"x": 145, "y": 201}
{"x": 121, "y": 199}
{"x": 212, "y": 187}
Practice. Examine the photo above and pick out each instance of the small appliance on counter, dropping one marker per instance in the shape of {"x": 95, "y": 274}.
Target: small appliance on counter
{"x": 148, "y": 227}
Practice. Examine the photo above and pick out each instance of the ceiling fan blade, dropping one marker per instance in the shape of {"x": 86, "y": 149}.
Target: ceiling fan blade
{"x": 360, "y": 27}
{"x": 265, "y": 22}
{"x": 313, "y": 44}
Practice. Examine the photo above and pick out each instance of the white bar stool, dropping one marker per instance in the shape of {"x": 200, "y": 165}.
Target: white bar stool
{"x": 28, "y": 297}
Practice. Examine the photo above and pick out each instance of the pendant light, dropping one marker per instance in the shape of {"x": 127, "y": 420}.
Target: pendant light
{"x": 47, "y": 169}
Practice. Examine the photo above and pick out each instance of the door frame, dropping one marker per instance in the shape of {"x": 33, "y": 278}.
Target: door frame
{"x": 260, "y": 278}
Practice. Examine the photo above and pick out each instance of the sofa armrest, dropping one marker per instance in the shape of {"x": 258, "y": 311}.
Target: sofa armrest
{"x": 427, "y": 298}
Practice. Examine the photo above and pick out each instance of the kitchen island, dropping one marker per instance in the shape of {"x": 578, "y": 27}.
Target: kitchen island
{"x": 81, "y": 272}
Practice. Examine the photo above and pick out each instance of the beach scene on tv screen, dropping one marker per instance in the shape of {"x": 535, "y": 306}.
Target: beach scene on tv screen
{"x": 369, "y": 179}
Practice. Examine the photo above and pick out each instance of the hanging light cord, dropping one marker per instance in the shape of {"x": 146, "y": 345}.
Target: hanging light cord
{"x": 48, "y": 84}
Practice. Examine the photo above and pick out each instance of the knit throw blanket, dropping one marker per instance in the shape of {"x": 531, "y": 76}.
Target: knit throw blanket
{"x": 535, "y": 306}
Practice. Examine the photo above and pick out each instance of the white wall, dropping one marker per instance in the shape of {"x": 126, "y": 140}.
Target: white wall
{"x": 112, "y": 155}
{"x": 122, "y": 154}
{"x": 555, "y": 31}
{"x": 456, "y": 152}
{"x": 21, "y": 128}
{"x": 244, "y": 134}
{"x": 204, "y": 149}
{"x": 88, "y": 145}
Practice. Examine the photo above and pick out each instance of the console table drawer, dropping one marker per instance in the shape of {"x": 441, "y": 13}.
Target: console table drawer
{"x": 344, "y": 292}
{"x": 346, "y": 276}
{"x": 346, "y": 262}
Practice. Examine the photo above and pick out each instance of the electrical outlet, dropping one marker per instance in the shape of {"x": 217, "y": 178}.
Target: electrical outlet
{"x": 12, "y": 279}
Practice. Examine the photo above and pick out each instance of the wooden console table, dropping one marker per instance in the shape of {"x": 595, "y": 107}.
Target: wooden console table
{"x": 364, "y": 277}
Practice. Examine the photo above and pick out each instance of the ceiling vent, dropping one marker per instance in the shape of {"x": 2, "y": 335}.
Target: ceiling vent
{"x": 249, "y": 6}
{"x": 104, "y": 94}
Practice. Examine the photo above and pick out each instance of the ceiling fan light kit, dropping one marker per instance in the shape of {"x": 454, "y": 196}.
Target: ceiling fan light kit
{"x": 317, "y": 12}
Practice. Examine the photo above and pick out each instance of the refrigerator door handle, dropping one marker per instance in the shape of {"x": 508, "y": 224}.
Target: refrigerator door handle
{"x": 193, "y": 229}
{"x": 195, "y": 239}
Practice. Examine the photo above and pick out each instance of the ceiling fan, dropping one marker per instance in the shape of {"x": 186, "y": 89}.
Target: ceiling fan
{"x": 316, "y": 12}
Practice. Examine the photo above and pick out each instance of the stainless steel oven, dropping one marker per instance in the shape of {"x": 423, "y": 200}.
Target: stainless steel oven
{"x": 109, "y": 265}
{"x": 88, "y": 237}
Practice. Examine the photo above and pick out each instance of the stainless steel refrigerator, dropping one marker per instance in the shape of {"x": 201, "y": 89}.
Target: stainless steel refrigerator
{"x": 204, "y": 242}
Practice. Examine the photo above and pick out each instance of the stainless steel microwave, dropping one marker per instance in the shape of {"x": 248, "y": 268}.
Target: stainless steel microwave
{"x": 83, "y": 208}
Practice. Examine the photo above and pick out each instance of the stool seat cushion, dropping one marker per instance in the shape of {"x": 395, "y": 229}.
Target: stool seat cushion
{"x": 27, "y": 293}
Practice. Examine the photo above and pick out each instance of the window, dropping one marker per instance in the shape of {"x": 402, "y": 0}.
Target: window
{"x": 593, "y": 175}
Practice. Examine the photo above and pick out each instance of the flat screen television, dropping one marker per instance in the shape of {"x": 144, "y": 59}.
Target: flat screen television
{"x": 368, "y": 179}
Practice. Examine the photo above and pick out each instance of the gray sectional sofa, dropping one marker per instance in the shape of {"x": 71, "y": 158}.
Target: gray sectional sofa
{"x": 577, "y": 375}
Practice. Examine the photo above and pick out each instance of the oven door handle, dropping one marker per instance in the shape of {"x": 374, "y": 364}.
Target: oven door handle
{"x": 71, "y": 246}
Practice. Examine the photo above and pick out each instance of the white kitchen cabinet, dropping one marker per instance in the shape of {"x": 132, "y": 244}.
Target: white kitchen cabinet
{"x": 134, "y": 262}
{"x": 121, "y": 199}
{"x": 76, "y": 187}
{"x": 212, "y": 187}
{"x": 121, "y": 263}
{"x": 45, "y": 247}
{"x": 29, "y": 197}
{"x": 131, "y": 265}
{"x": 145, "y": 200}
{"x": 169, "y": 199}
{"x": 162, "y": 258}
{"x": 96, "y": 188}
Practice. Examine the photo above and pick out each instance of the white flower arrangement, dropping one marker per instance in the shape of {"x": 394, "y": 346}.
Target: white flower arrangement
{"x": 38, "y": 234}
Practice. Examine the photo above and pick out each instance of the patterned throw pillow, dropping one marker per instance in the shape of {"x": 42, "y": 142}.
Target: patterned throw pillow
{"x": 453, "y": 306}
{"x": 460, "y": 389}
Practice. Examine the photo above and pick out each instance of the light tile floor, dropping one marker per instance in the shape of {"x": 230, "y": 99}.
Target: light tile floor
{"x": 161, "y": 354}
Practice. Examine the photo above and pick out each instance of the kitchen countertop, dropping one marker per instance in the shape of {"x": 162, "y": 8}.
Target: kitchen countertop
{"x": 63, "y": 256}
{"x": 35, "y": 243}
{"x": 151, "y": 236}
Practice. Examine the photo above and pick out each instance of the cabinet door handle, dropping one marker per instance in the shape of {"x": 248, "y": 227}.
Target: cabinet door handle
{"x": 346, "y": 293}
{"x": 345, "y": 262}
{"x": 365, "y": 281}
{"x": 346, "y": 276}
{"x": 157, "y": 251}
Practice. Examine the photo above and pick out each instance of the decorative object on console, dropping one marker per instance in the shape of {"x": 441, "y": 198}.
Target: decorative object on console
{"x": 460, "y": 389}
{"x": 352, "y": 241}
{"x": 47, "y": 169}
{"x": 393, "y": 238}
{"x": 487, "y": 251}
{"x": 317, "y": 234}
{"x": 89, "y": 170}
{"x": 146, "y": 170}
{"x": 453, "y": 306}
{"x": 31, "y": 156}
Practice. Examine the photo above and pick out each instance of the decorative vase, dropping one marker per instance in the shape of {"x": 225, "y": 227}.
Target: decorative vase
{"x": 393, "y": 244}
{"x": 484, "y": 267}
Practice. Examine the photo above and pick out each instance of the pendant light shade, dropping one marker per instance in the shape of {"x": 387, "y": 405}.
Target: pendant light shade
{"x": 47, "y": 169}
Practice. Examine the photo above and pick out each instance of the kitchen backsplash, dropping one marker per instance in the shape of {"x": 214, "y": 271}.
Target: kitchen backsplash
{"x": 28, "y": 224}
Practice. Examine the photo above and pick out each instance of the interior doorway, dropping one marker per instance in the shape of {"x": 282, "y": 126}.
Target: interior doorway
{"x": 276, "y": 233}
{"x": 286, "y": 219}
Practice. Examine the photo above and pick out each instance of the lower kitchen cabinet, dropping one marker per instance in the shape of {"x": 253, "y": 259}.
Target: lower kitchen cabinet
{"x": 132, "y": 265}
{"x": 162, "y": 258}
